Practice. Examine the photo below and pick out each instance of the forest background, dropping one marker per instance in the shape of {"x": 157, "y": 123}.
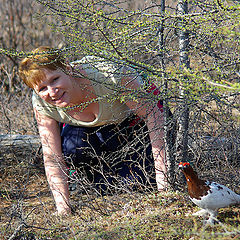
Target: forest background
{"x": 189, "y": 49}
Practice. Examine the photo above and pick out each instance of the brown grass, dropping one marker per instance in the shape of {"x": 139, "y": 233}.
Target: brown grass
{"x": 27, "y": 209}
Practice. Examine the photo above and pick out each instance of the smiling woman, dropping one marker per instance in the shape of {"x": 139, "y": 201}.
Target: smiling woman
{"x": 57, "y": 88}
{"x": 81, "y": 116}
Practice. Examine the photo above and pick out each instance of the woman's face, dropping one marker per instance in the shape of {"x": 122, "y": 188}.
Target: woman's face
{"x": 58, "y": 88}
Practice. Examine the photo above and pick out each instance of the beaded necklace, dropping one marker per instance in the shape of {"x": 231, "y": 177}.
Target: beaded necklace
{"x": 81, "y": 106}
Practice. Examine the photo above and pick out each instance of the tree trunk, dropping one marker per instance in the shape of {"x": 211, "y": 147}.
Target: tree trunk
{"x": 183, "y": 109}
{"x": 19, "y": 141}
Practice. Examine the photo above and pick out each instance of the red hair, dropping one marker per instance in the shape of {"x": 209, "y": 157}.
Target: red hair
{"x": 44, "y": 57}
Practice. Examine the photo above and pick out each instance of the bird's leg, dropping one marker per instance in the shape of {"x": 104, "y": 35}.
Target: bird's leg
{"x": 202, "y": 213}
{"x": 212, "y": 218}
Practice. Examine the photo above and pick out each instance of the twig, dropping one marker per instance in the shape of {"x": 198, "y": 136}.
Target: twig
{"x": 16, "y": 231}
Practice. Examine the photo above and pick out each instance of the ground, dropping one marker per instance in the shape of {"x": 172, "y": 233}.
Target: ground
{"x": 27, "y": 212}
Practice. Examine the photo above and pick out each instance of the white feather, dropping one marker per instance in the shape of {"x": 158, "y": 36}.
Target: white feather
{"x": 218, "y": 196}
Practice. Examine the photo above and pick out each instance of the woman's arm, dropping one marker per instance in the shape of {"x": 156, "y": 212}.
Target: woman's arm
{"x": 155, "y": 123}
{"x": 55, "y": 168}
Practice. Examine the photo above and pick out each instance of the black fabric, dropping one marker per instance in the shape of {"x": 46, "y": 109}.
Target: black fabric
{"x": 108, "y": 152}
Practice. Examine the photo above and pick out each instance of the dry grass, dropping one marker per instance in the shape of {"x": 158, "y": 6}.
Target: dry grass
{"x": 27, "y": 211}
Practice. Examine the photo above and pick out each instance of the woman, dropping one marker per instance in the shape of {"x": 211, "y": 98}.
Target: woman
{"x": 91, "y": 100}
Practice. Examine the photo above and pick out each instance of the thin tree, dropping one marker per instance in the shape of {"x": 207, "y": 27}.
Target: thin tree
{"x": 183, "y": 108}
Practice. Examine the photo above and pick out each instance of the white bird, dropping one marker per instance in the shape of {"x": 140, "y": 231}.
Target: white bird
{"x": 209, "y": 196}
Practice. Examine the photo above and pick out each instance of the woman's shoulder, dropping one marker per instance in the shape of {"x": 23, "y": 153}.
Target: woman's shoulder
{"x": 103, "y": 69}
{"x": 95, "y": 62}
{"x": 88, "y": 60}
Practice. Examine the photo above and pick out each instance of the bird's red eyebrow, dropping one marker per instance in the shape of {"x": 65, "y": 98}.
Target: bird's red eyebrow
{"x": 186, "y": 163}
